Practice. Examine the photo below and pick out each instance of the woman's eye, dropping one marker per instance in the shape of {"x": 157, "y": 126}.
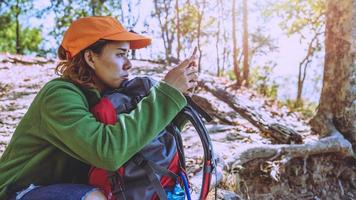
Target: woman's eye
{"x": 121, "y": 54}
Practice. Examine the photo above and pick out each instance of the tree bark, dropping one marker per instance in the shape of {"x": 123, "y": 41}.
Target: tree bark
{"x": 219, "y": 4}
{"x": 337, "y": 108}
{"x": 122, "y": 13}
{"x": 225, "y": 53}
{"x": 17, "y": 14}
{"x": 178, "y": 31}
{"x": 93, "y": 6}
{"x": 245, "y": 46}
{"x": 212, "y": 110}
{"x": 234, "y": 44}
{"x": 200, "y": 21}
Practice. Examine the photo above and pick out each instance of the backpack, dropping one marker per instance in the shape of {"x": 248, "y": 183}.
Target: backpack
{"x": 158, "y": 171}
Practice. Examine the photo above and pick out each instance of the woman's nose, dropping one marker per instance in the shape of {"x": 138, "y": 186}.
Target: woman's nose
{"x": 127, "y": 64}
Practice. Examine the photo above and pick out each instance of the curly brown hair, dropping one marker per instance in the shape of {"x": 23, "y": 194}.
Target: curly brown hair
{"x": 76, "y": 69}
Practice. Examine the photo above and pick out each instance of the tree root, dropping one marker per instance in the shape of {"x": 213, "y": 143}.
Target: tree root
{"x": 335, "y": 143}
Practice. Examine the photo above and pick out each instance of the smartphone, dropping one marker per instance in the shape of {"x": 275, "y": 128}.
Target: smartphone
{"x": 194, "y": 51}
{"x": 193, "y": 54}
{"x": 192, "y": 90}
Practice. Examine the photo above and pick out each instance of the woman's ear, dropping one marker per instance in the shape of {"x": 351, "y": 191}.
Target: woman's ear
{"x": 88, "y": 56}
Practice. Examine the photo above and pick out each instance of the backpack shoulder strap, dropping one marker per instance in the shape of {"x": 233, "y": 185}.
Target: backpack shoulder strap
{"x": 191, "y": 112}
{"x": 139, "y": 160}
{"x": 198, "y": 109}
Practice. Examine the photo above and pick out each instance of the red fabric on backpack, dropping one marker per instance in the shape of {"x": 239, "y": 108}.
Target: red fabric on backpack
{"x": 99, "y": 178}
{"x": 167, "y": 181}
{"x": 104, "y": 111}
{"x": 173, "y": 167}
{"x": 206, "y": 185}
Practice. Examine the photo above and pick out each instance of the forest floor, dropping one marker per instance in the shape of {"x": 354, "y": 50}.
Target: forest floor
{"x": 22, "y": 77}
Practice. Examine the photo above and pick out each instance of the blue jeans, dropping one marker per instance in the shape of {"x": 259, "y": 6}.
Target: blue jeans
{"x": 55, "y": 192}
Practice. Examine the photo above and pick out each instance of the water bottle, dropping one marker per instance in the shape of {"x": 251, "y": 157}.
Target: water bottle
{"x": 177, "y": 193}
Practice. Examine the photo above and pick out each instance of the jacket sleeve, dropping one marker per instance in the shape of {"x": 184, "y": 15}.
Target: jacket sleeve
{"x": 72, "y": 128}
{"x": 181, "y": 121}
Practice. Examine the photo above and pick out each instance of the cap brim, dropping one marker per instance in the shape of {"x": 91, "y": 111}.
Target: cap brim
{"x": 136, "y": 41}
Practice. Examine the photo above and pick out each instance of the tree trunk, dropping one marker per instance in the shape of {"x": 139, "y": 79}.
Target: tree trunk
{"x": 123, "y": 13}
{"x": 18, "y": 45}
{"x": 226, "y": 52}
{"x": 217, "y": 49}
{"x": 166, "y": 34}
{"x": 303, "y": 65}
{"x": 337, "y": 106}
{"x": 133, "y": 51}
{"x": 178, "y": 31}
{"x": 234, "y": 48}
{"x": 129, "y": 9}
{"x": 218, "y": 70}
{"x": 93, "y": 5}
{"x": 169, "y": 33}
{"x": 225, "y": 41}
{"x": 245, "y": 46}
{"x": 298, "y": 101}
{"x": 200, "y": 21}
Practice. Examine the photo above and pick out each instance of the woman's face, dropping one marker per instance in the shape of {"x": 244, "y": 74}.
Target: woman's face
{"x": 112, "y": 65}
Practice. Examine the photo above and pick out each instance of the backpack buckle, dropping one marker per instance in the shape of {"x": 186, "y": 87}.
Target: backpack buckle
{"x": 117, "y": 185}
{"x": 139, "y": 160}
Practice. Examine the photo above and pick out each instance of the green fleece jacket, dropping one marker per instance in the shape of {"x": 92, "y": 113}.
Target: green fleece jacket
{"x": 58, "y": 138}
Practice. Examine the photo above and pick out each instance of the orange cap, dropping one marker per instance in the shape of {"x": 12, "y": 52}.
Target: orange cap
{"x": 86, "y": 31}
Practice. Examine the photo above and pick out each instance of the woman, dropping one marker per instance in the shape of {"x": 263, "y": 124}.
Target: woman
{"x": 58, "y": 138}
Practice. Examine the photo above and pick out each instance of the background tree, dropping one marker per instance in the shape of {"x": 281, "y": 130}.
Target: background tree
{"x": 245, "y": 46}
{"x": 163, "y": 10}
{"x": 131, "y": 18}
{"x": 234, "y": 46}
{"x": 223, "y": 35}
{"x": 178, "y": 30}
{"x": 67, "y": 11}
{"x": 14, "y": 37}
{"x": 201, "y": 7}
{"x": 196, "y": 28}
{"x": 307, "y": 20}
{"x": 219, "y": 5}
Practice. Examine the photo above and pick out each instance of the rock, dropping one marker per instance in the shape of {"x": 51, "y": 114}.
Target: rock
{"x": 227, "y": 195}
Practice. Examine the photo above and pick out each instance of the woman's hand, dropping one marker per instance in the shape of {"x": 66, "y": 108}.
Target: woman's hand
{"x": 183, "y": 76}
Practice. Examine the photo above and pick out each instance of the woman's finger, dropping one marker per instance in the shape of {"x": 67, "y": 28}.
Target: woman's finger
{"x": 193, "y": 58}
{"x": 184, "y": 64}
